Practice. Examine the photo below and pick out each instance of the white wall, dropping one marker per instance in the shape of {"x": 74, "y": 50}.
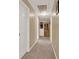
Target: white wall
{"x": 23, "y": 29}
{"x": 37, "y": 27}
{"x": 54, "y": 35}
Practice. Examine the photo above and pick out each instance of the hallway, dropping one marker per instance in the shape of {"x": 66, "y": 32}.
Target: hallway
{"x": 42, "y": 50}
{"x": 38, "y": 20}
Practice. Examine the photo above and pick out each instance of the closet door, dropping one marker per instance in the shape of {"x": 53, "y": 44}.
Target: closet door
{"x": 46, "y": 30}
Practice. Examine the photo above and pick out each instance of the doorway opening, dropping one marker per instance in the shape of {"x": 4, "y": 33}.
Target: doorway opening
{"x": 44, "y": 27}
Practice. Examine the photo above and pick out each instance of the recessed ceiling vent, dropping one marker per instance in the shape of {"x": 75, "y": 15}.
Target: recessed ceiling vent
{"x": 42, "y": 8}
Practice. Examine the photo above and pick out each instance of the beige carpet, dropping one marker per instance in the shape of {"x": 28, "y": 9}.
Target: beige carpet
{"x": 42, "y": 50}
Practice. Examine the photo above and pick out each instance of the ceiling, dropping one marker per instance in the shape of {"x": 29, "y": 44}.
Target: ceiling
{"x": 43, "y": 19}
{"x": 43, "y": 8}
{"x": 42, "y": 5}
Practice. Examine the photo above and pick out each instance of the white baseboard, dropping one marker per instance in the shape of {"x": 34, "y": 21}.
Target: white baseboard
{"x": 32, "y": 46}
{"x": 54, "y": 51}
{"x": 28, "y": 50}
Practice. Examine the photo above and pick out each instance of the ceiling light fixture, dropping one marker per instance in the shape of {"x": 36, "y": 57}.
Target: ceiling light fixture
{"x": 44, "y": 14}
{"x": 54, "y": 14}
{"x": 31, "y": 14}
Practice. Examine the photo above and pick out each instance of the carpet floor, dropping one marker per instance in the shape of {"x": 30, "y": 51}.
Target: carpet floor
{"x": 42, "y": 50}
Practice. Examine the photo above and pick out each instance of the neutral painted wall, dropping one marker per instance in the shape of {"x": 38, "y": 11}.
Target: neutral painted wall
{"x": 38, "y": 27}
{"x": 28, "y": 28}
{"x": 55, "y": 34}
{"x": 33, "y": 25}
{"x": 33, "y": 30}
{"x": 23, "y": 29}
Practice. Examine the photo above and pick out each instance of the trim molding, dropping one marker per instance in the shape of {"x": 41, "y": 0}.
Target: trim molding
{"x": 28, "y": 50}
{"x": 54, "y": 51}
{"x": 22, "y": 2}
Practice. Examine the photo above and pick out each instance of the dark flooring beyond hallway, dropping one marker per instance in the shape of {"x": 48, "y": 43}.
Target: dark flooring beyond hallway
{"x": 42, "y": 50}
